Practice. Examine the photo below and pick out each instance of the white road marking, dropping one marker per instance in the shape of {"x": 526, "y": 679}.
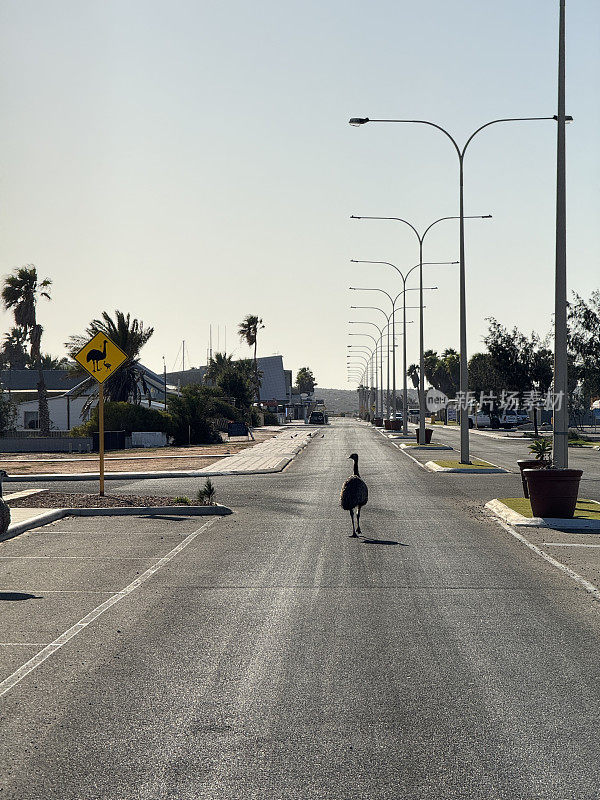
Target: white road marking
{"x": 22, "y": 644}
{"x": 86, "y": 558}
{"x": 564, "y": 544}
{"x": 8, "y": 683}
{"x": 575, "y": 576}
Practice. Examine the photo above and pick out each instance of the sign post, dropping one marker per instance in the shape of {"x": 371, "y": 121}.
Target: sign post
{"x": 101, "y": 364}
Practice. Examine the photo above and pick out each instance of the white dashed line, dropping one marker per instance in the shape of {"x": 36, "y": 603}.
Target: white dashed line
{"x": 8, "y": 683}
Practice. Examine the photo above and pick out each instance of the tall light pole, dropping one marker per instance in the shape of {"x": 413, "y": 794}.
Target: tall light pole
{"x": 460, "y": 151}
{"x": 362, "y": 350}
{"x": 561, "y": 411}
{"x": 393, "y": 301}
{"x": 421, "y": 239}
{"x": 374, "y": 362}
{"x": 387, "y": 318}
{"x": 404, "y": 278}
{"x": 380, "y": 331}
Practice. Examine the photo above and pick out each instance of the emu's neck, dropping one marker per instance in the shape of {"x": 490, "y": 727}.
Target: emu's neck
{"x": 356, "y": 466}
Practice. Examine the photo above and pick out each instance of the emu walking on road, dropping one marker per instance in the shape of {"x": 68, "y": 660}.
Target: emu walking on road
{"x": 354, "y": 495}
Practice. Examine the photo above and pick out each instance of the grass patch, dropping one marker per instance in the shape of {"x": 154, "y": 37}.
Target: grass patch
{"x": 585, "y": 509}
{"x": 581, "y": 443}
{"x": 475, "y": 464}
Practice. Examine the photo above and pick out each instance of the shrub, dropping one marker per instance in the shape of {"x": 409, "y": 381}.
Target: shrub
{"x": 271, "y": 419}
{"x": 206, "y": 495}
{"x": 196, "y": 413}
{"x": 541, "y": 449}
{"x": 126, "y": 417}
{"x": 182, "y": 500}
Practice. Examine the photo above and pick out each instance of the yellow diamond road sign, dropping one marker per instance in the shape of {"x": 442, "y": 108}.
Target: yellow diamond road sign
{"x": 101, "y": 357}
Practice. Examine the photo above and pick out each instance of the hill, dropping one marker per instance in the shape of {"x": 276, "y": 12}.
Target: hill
{"x": 344, "y": 400}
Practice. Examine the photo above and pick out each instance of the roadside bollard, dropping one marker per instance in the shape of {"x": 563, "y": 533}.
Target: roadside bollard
{"x": 4, "y": 509}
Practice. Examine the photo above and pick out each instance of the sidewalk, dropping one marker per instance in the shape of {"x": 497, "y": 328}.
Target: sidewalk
{"x": 272, "y": 455}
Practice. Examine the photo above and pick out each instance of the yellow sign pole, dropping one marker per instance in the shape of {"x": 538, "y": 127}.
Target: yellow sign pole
{"x": 101, "y": 437}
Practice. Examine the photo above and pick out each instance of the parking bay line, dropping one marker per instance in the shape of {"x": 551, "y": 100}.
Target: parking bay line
{"x": 569, "y": 544}
{"x": 17, "y": 676}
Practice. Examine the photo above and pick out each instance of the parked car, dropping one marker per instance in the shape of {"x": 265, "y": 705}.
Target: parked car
{"x": 483, "y": 419}
{"x": 508, "y": 419}
{"x": 522, "y": 416}
{"x": 318, "y": 418}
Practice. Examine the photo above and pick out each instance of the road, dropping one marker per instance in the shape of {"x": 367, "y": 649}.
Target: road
{"x": 505, "y": 452}
{"x": 273, "y": 657}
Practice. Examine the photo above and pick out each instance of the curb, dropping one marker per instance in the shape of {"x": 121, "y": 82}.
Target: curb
{"x": 492, "y": 469}
{"x": 514, "y": 518}
{"x": 52, "y": 515}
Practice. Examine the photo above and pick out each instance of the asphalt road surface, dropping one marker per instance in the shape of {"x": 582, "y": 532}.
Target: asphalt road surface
{"x": 270, "y": 656}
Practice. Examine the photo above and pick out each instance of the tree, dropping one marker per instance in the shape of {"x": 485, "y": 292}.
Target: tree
{"x": 8, "y": 413}
{"x": 584, "y": 344}
{"x": 413, "y": 373}
{"x": 248, "y": 331}
{"x": 483, "y": 375}
{"x": 216, "y": 365}
{"x": 127, "y": 384}
{"x": 195, "y": 414}
{"x": 305, "y": 380}
{"x": 443, "y": 373}
{"x": 54, "y": 362}
{"x": 13, "y": 354}
{"x": 20, "y": 293}
{"x": 237, "y": 381}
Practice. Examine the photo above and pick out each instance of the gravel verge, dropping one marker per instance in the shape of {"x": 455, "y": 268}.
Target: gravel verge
{"x": 81, "y": 500}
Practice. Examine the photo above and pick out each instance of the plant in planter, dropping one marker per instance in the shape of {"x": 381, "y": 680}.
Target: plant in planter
{"x": 542, "y": 450}
{"x": 552, "y": 491}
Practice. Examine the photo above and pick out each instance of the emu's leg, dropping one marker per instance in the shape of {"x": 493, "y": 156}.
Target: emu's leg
{"x": 352, "y": 517}
{"x": 358, "y": 530}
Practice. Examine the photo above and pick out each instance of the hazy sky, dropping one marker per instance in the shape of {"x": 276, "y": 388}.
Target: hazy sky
{"x": 190, "y": 162}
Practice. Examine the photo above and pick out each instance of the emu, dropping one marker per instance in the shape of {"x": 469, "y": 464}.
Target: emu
{"x": 354, "y": 495}
{"x": 95, "y": 356}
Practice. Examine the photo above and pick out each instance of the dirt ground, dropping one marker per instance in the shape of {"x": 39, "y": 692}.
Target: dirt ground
{"x": 139, "y": 459}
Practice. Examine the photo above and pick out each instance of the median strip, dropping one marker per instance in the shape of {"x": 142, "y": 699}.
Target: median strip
{"x": 517, "y": 511}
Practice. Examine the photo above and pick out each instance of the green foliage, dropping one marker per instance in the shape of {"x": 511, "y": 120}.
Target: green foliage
{"x": 256, "y": 417}
{"x": 20, "y": 294}
{"x": 182, "y": 500}
{"x": 125, "y": 417}
{"x": 248, "y": 331}
{"x": 127, "y": 383}
{"x": 237, "y": 381}
{"x": 14, "y": 354}
{"x": 270, "y": 418}
{"x": 413, "y": 373}
{"x": 519, "y": 362}
{"x": 206, "y": 495}
{"x": 584, "y": 345}
{"x": 442, "y": 372}
{"x": 8, "y": 413}
{"x": 196, "y": 413}
{"x": 305, "y": 380}
{"x": 541, "y": 449}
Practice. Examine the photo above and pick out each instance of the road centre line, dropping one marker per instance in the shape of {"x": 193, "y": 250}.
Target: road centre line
{"x": 29, "y": 666}
{"x": 86, "y": 558}
{"x": 589, "y": 587}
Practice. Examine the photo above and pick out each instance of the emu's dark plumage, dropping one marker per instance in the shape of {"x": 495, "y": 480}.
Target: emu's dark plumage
{"x": 354, "y": 495}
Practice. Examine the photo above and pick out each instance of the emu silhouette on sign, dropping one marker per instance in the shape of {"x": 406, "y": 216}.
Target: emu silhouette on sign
{"x": 354, "y": 495}
{"x": 95, "y": 356}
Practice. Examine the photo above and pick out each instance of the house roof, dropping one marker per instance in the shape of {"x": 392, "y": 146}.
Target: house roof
{"x": 16, "y": 380}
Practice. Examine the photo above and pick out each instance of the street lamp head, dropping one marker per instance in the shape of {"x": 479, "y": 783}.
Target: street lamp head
{"x": 356, "y": 121}
{"x": 567, "y": 118}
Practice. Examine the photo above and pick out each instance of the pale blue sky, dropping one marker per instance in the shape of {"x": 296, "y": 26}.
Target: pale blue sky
{"x": 191, "y": 162}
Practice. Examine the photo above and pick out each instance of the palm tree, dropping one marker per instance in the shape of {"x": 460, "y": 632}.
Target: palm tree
{"x": 248, "y": 331}
{"x": 218, "y": 364}
{"x": 413, "y": 373}
{"x": 20, "y": 293}
{"x": 127, "y": 383}
{"x": 13, "y": 354}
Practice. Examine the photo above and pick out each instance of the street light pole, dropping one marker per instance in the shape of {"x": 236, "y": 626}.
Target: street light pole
{"x": 393, "y": 316}
{"x": 561, "y": 410}
{"x": 404, "y": 278}
{"x": 367, "y": 322}
{"x": 464, "y": 377}
{"x": 421, "y": 239}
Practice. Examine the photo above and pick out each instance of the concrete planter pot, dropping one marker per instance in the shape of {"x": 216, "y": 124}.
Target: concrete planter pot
{"x": 378, "y": 422}
{"x": 428, "y": 435}
{"x": 553, "y": 492}
{"x": 527, "y": 463}
{"x": 393, "y": 424}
